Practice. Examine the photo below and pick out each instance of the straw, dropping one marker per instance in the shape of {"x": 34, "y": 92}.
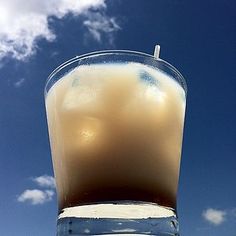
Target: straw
{"x": 157, "y": 51}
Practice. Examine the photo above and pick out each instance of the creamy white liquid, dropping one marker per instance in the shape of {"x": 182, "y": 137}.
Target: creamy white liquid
{"x": 116, "y": 131}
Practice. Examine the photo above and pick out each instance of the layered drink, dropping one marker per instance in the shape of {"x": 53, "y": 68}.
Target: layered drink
{"x": 116, "y": 133}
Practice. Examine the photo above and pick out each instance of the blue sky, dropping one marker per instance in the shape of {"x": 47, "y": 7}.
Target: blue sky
{"x": 198, "y": 37}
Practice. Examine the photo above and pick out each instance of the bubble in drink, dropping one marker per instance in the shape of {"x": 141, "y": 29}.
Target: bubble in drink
{"x": 116, "y": 134}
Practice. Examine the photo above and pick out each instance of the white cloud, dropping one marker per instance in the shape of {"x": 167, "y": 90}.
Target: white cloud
{"x": 213, "y": 216}
{"x": 23, "y": 23}
{"x": 19, "y": 82}
{"x": 35, "y": 196}
{"x": 45, "y": 181}
{"x": 99, "y": 24}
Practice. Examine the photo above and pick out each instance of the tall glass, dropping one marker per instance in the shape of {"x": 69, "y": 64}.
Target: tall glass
{"x": 115, "y": 123}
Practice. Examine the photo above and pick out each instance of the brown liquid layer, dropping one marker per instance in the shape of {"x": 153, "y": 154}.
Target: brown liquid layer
{"x": 114, "y": 194}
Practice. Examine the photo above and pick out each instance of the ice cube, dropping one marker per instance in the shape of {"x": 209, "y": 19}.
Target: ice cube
{"x": 80, "y": 97}
{"x": 73, "y": 76}
{"x": 145, "y": 76}
{"x": 84, "y": 133}
{"x": 154, "y": 93}
{"x": 88, "y": 131}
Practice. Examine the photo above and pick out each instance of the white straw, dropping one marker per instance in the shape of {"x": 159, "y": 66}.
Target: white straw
{"x": 157, "y": 51}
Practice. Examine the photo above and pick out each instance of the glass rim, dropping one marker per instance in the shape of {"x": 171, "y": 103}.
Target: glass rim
{"x": 118, "y": 52}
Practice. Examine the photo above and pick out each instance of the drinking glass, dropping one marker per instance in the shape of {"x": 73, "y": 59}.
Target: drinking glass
{"x": 115, "y": 121}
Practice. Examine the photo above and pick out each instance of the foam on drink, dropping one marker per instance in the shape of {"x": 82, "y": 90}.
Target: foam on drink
{"x": 116, "y": 134}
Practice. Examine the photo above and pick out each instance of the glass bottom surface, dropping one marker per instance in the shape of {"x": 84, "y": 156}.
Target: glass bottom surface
{"x": 118, "y": 219}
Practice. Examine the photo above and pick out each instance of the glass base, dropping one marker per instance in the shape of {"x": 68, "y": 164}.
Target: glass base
{"x": 118, "y": 219}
